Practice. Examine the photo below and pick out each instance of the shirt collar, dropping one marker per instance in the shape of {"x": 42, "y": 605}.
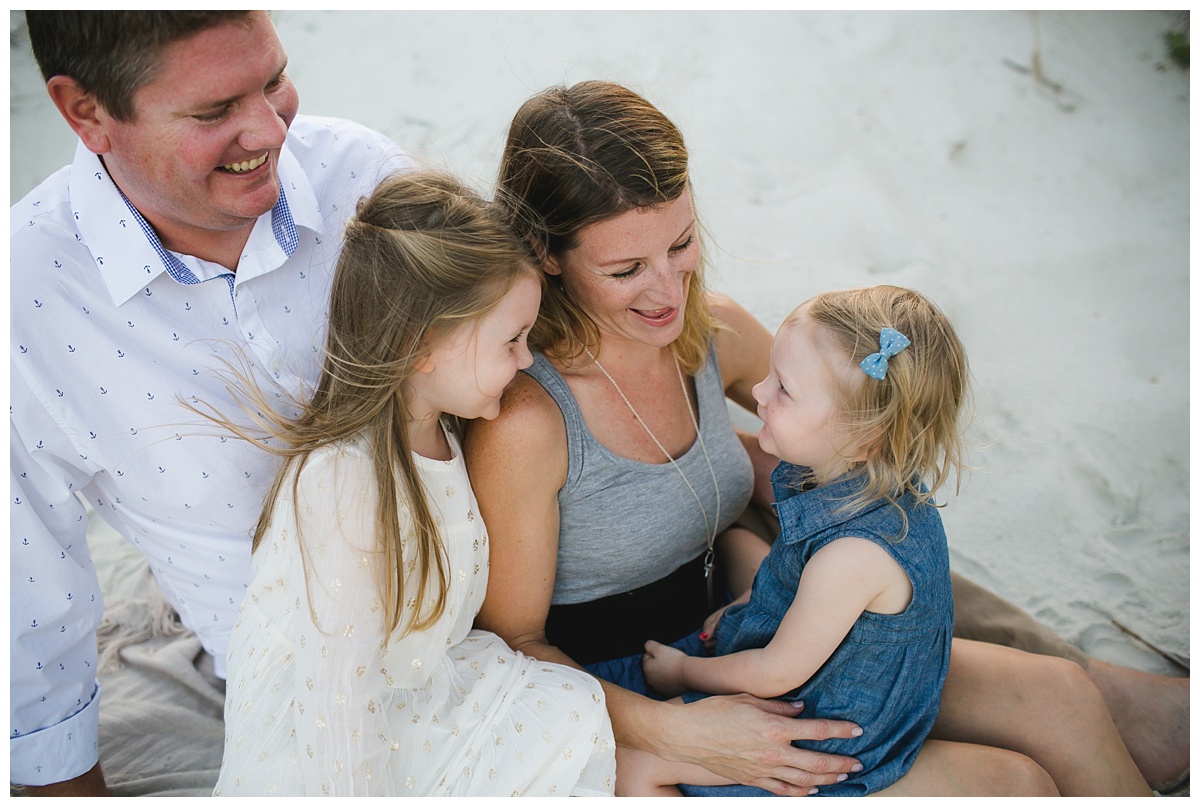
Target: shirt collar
{"x": 126, "y": 249}
{"x": 812, "y": 511}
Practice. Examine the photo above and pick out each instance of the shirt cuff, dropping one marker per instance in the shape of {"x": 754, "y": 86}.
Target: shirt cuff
{"x": 59, "y": 752}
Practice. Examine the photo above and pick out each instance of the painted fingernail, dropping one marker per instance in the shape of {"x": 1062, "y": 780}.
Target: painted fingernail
{"x": 856, "y": 731}
{"x": 812, "y": 792}
{"x": 797, "y": 702}
{"x": 856, "y": 767}
{"x": 703, "y": 637}
{"x": 843, "y": 777}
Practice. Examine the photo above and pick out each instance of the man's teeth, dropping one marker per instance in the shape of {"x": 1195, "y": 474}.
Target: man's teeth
{"x": 245, "y": 165}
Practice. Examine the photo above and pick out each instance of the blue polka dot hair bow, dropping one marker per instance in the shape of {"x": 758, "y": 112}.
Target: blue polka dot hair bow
{"x": 891, "y": 342}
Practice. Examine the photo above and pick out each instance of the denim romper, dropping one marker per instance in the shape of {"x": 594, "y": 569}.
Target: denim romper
{"x": 887, "y": 674}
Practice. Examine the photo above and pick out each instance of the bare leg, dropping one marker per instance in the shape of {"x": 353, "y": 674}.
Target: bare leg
{"x": 1046, "y": 708}
{"x": 1152, "y": 713}
{"x": 962, "y": 769}
{"x": 941, "y": 769}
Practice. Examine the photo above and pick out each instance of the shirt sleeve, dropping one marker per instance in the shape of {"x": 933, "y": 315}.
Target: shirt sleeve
{"x": 343, "y": 665}
{"x": 55, "y": 603}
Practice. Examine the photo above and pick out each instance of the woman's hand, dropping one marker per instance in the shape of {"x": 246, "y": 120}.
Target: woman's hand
{"x": 663, "y": 666}
{"x": 748, "y": 739}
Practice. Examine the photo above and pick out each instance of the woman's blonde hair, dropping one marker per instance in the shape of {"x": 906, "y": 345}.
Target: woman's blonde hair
{"x": 422, "y": 254}
{"x": 907, "y": 425}
{"x": 580, "y": 155}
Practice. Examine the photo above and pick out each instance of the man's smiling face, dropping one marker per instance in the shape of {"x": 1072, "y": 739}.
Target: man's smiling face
{"x": 201, "y": 152}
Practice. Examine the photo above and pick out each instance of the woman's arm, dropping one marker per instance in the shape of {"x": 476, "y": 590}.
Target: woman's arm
{"x": 517, "y": 464}
{"x": 743, "y": 350}
{"x": 840, "y": 581}
{"x": 744, "y": 354}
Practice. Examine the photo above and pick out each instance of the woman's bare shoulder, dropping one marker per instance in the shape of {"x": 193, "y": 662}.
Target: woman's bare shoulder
{"x": 729, "y": 312}
{"x": 528, "y": 433}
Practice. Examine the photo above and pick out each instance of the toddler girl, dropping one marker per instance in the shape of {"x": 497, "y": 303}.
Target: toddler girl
{"x": 851, "y": 609}
{"x": 353, "y": 668}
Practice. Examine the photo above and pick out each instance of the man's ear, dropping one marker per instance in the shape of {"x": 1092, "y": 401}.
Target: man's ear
{"x": 81, "y": 111}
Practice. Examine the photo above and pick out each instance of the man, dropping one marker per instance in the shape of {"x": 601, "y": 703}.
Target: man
{"x": 198, "y": 222}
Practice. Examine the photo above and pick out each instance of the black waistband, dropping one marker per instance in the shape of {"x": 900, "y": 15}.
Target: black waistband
{"x": 619, "y": 625}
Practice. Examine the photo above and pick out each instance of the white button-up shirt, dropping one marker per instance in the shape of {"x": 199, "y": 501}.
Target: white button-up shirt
{"x": 109, "y": 331}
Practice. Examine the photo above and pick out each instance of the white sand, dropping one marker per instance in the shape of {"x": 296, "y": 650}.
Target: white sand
{"x": 844, "y": 149}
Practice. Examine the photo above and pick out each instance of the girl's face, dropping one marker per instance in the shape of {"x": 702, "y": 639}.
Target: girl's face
{"x": 467, "y": 371}
{"x": 797, "y": 401}
{"x": 631, "y": 273}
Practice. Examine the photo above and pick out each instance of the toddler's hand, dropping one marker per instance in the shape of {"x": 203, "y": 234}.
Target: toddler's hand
{"x": 708, "y": 633}
{"x": 663, "y": 666}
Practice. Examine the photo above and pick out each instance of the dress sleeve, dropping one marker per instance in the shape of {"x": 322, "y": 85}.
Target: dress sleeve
{"x": 55, "y": 603}
{"x": 343, "y": 667}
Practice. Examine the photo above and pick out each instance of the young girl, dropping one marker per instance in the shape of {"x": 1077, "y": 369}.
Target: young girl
{"x": 851, "y": 609}
{"x": 353, "y": 668}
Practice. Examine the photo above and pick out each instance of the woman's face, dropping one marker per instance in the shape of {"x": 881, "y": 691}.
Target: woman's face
{"x": 631, "y": 273}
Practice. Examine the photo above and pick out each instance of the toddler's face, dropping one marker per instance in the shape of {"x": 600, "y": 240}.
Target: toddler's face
{"x": 797, "y": 402}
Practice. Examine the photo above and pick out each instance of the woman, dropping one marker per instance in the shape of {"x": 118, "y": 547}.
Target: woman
{"x": 613, "y": 466}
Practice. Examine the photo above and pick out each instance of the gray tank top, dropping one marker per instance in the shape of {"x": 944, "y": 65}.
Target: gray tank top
{"x": 624, "y": 524}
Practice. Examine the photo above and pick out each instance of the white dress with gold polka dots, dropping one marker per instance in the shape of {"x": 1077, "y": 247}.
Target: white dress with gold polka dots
{"x": 320, "y": 703}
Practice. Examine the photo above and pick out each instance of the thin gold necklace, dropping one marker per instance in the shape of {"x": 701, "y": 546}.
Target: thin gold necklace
{"x": 709, "y": 527}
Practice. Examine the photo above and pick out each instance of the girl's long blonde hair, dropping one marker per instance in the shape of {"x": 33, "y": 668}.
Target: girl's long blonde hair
{"x": 908, "y": 425}
{"x": 422, "y": 254}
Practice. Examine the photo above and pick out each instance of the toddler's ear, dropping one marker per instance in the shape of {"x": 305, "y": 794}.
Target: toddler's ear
{"x": 866, "y": 445}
